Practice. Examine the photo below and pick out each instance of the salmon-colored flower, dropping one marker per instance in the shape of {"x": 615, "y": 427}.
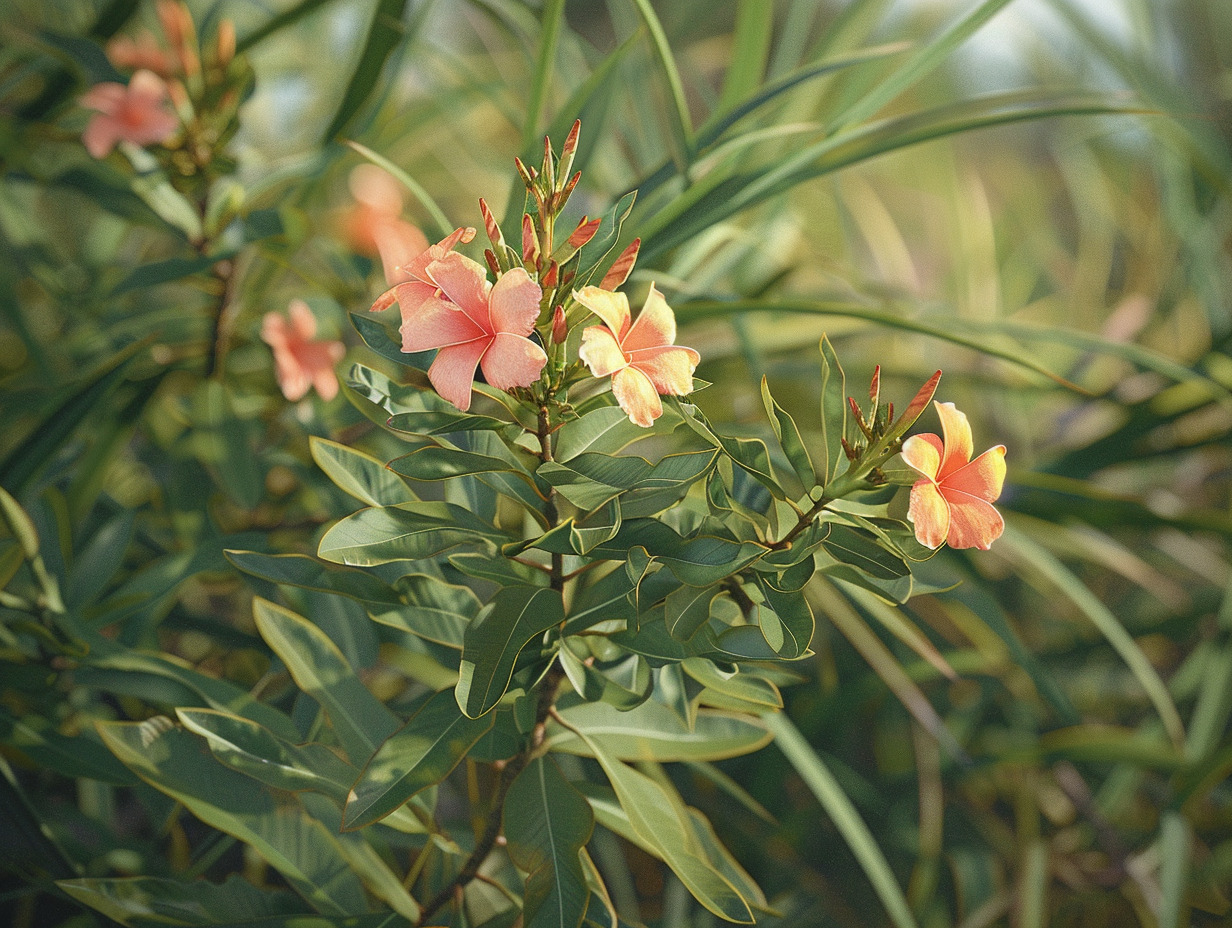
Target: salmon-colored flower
{"x": 301, "y": 361}
{"x": 136, "y": 113}
{"x": 641, "y": 357}
{"x": 953, "y": 503}
{"x": 406, "y": 261}
{"x": 377, "y": 214}
{"x": 474, "y": 324}
{"x": 143, "y": 51}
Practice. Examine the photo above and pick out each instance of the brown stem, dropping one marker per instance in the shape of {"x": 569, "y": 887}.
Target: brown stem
{"x": 547, "y": 698}
{"x": 224, "y": 273}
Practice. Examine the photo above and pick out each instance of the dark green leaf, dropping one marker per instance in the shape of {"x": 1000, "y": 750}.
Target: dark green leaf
{"x": 434, "y": 462}
{"x": 788, "y": 434}
{"x": 434, "y": 610}
{"x": 359, "y": 474}
{"x": 687, "y": 609}
{"x": 862, "y": 549}
{"x": 833, "y": 411}
{"x": 547, "y": 823}
{"x": 319, "y": 669}
{"x": 420, "y": 754}
{"x": 384, "y": 34}
{"x": 146, "y": 901}
{"x": 407, "y": 532}
{"x": 514, "y": 617}
{"x": 308, "y": 573}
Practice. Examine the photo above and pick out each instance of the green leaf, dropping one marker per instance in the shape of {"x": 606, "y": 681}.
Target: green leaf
{"x": 276, "y": 23}
{"x": 598, "y": 248}
{"x": 434, "y": 609}
{"x": 319, "y": 669}
{"x": 308, "y": 573}
{"x": 408, "y": 532}
{"x": 434, "y": 462}
{"x": 591, "y": 479}
{"x": 863, "y": 549}
{"x": 549, "y": 35}
{"x": 359, "y": 474}
{"x": 514, "y": 617}
{"x": 167, "y": 271}
{"x": 844, "y": 815}
{"x": 653, "y": 732}
{"x": 792, "y": 618}
{"x": 682, "y": 125}
{"x": 833, "y": 411}
{"x": 750, "y": 454}
{"x": 788, "y": 435}
{"x": 251, "y": 749}
{"x": 750, "y": 52}
{"x": 420, "y": 754}
{"x": 687, "y": 609}
{"x": 384, "y": 34}
{"x": 442, "y": 422}
{"x": 625, "y": 684}
{"x": 145, "y": 901}
{"x": 381, "y": 339}
{"x": 607, "y": 428}
{"x": 547, "y": 823}
{"x": 31, "y": 454}
{"x": 744, "y": 687}
{"x": 698, "y": 561}
{"x": 661, "y": 820}
{"x": 301, "y": 848}
{"x": 80, "y": 755}
{"x": 150, "y": 183}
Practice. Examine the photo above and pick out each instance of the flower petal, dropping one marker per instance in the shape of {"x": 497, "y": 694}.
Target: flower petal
{"x": 670, "y": 368}
{"x": 956, "y": 431}
{"x": 412, "y": 296}
{"x": 923, "y": 453}
{"x": 654, "y": 327}
{"x": 974, "y": 523}
{"x": 465, "y": 283}
{"x": 438, "y": 323}
{"x": 147, "y": 88}
{"x": 303, "y": 322}
{"x": 637, "y": 396}
{"x": 612, "y": 308}
{"x": 600, "y": 352}
{"x": 512, "y": 361}
{"x": 105, "y": 97}
{"x": 929, "y": 513}
{"x": 398, "y": 243}
{"x": 453, "y": 371}
{"x": 982, "y": 478}
{"x": 101, "y": 135}
{"x": 513, "y": 304}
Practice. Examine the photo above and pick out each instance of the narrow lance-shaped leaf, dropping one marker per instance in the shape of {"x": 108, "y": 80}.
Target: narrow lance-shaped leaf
{"x": 308, "y": 573}
{"x": 359, "y": 474}
{"x": 514, "y": 617}
{"x": 402, "y": 533}
{"x": 833, "y": 411}
{"x": 420, "y": 754}
{"x": 547, "y": 823}
{"x": 788, "y": 434}
{"x": 319, "y": 669}
{"x": 662, "y": 821}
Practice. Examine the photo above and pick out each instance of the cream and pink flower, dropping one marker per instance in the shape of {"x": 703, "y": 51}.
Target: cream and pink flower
{"x": 406, "y": 262}
{"x": 142, "y": 51}
{"x": 640, "y": 356}
{"x": 471, "y": 323}
{"x": 134, "y": 113}
{"x": 301, "y": 361}
{"x": 374, "y": 224}
{"x": 953, "y": 501}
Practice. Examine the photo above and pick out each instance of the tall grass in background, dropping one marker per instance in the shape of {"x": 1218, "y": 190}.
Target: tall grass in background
{"x": 1042, "y": 739}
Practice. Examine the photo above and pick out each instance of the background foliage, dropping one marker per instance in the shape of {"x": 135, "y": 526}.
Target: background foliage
{"x": 803, "y": 168}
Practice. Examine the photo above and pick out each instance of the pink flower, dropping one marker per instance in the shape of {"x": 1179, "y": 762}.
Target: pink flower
{"x": 406, "y": 268}
{"x": 136, "y": 113}
{"x": 377, "y": 214}
{"x": 473, "y": 324}
{"x": 301, "y": 362}
{"x": 641, "y": 357}
{"x": 953, "y": 503}
{"x": 143, "y": 51}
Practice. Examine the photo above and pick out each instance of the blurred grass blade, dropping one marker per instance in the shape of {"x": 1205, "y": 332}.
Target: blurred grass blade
{"x": 708, "y": 309}
{"x": 1175, "y": 853}
{"x": 384, "y": 34}
{"x": 844, "y": 815}
{"x": 682, "y": 125}
{"x": 443, "y": 225}
{"x": 918, "y": 65}
{"x": 553, "y": 17}
{"x": 1033, "y": 886}
{"x": 750, "y": 51}
{"x": 1057, "y": 575}
{"x": 287, "y": 17}
{"x": 721, "y": 121}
